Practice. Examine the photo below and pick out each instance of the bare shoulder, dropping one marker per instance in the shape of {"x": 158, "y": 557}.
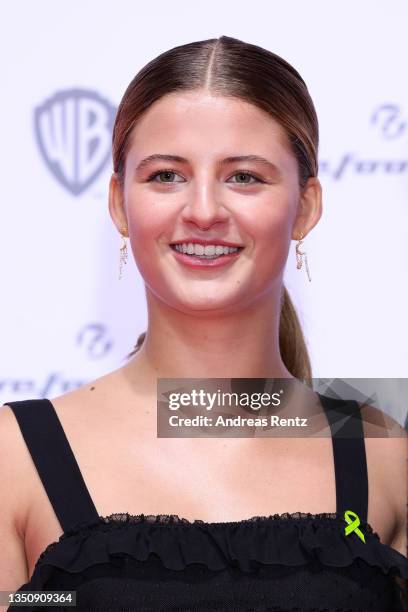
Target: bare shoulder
{"x": 15, "y": 461}
{"x": 386, "y": 444}
{"x": 378, "y": 423}
{"x": 15, "y": 458}
{"x": 95, "y": 394}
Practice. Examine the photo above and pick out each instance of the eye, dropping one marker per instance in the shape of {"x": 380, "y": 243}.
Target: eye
{"x": 162, "y": 172}
{"x": 243, "y": 173}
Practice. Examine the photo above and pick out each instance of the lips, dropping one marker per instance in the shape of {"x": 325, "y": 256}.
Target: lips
{"x": 200, "y": 263}
{"x": 173, "y": 246}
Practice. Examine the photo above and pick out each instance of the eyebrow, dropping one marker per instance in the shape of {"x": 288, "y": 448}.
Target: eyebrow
{"x": 227, "y": 160}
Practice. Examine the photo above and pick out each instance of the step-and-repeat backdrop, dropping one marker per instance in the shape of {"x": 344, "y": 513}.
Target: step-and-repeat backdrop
{"x": 65, "y": 317}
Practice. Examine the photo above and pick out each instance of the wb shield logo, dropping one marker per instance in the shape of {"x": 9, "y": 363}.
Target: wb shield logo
{"x": 74, "y": 131}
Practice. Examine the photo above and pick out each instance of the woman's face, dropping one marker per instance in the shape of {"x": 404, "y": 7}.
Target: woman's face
{"x": 247, "y": 202}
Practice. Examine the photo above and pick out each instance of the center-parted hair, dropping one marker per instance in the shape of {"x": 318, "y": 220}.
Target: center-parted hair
{"x": 227, "y": 66}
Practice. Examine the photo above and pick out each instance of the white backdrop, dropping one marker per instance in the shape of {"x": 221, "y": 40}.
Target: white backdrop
{"x": 65, "y": 316}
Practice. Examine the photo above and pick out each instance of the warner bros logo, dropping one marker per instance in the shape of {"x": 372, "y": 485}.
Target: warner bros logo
{"x": 74, "y": 134}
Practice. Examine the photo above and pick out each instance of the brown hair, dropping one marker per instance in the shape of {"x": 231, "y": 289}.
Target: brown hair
{"x": 230, "y": 67}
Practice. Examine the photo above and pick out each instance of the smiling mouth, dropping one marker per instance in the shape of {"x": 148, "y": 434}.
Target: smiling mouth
{"x": 238, "y": 249}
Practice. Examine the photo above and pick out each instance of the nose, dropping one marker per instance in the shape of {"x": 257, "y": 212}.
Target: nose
{"x": 205, "y": 207}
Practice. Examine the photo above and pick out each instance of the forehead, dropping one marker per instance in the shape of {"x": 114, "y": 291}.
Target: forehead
{"x": 201, "y": 122}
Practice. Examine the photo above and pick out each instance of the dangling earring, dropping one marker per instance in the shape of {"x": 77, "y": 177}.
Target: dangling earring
{"x": 300, "y": 254}
{"x": 123, "y": 252}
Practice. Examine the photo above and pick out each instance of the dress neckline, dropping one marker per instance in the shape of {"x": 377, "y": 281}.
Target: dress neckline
{"x": 320, "y": 534}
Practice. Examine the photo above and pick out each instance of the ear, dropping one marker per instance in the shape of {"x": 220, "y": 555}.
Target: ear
{"x": 116, "y": 205}
{"x": 310, "y": 208}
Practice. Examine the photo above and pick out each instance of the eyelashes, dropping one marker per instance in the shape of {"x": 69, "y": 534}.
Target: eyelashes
{"x": 153, "y": 176}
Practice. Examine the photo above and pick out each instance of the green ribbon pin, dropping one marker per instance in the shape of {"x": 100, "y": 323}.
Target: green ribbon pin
{"x": 352, "y": 524}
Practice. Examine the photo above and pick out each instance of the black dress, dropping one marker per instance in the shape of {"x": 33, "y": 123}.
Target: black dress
{"x": 298, "y": 562}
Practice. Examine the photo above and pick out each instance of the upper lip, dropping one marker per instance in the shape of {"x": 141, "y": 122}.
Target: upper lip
{"x": 206, "y": 241}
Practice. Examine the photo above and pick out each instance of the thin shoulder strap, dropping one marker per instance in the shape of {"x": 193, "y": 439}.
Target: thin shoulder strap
{"x": 349, "y": 454}
{"x": 55, "y": 462}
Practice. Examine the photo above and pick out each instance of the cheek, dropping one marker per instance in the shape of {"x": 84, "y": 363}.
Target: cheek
{"x": 147, "y": 231}
{"x": 270, "y": 228}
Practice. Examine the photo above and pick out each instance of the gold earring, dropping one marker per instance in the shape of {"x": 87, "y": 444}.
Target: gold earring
{"x": 123, "y": 252}
{"x": 299, "y": 256}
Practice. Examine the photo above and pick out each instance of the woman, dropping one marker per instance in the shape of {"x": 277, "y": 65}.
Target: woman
{"x": 214, "y": 142}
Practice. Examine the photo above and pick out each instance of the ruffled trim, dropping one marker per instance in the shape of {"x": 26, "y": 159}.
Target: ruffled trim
{"x": 285, "y": 539}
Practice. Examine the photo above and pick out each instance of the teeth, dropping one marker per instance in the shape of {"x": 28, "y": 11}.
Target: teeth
{"x": 210, "y": 250}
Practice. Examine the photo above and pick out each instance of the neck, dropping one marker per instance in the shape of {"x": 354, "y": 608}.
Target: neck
{"x": 211, "y": 344}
